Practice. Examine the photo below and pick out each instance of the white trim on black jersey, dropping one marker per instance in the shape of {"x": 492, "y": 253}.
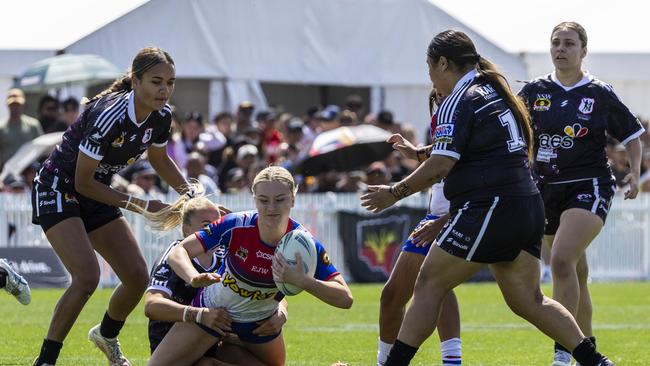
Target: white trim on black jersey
{"x": 104, "y": 123}
{"x": 131, "y": 111}
{"x": 633, "y": 136}
{"x": 586, "y": 79}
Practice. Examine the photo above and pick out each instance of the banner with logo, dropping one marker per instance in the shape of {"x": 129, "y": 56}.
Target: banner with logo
{"x": 40, "y": 266}
{"x": 373, "y": 242}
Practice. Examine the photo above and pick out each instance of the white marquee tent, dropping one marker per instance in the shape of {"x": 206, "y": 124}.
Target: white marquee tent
{"x": 236, "y": 44}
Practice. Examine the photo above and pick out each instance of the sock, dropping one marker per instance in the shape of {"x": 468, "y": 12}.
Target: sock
{"x": 49, "y": 352}
{"x": 585, "y": 353}
{"x": 383, "y": 349}
{"x": 593, "y": 340}
{"x": 401, "y": 354}
{"x": 561, "y": 354}
{"x": 3, "y": 278}
{"x": 110, "y": 328}
{"x": 451, "y": 352}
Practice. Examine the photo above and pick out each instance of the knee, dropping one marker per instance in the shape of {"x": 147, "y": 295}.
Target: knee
{"x": 523, "y": 304}
{"x": 86, "y": 282}
{"x": 562, "y": 267}
{"x": 393, "y": 296}
{"x": 137, "y": 277}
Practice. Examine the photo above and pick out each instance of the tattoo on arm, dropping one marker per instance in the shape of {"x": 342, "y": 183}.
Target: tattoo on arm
{"x": 424, "y": 153}
{"x": 400, "y": 190}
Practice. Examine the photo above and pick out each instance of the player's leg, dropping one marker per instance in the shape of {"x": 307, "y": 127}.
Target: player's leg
{"x": 271, "y": 353}
{"x": 439, "y": 274}
{"x": 71, "y": 244}
{"x": 232, "y": 354}
{"x": 184, "y": 344}
{"x": 519, "y": 284}
{"x": 117, "y": 245}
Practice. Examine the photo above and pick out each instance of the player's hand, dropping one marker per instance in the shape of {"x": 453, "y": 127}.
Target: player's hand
{"x": 288, "y": 273}
{"x": 230, "y": 338}
{"x": 404, "y": 146}
{"x": 272, "y": 325}
{"x": 632, "y": 180}
{"x": 378, "y": 198}
{"x": 426, "y": 233}
{"x": 217, "y": 319}
{"x": 205, "y": 279}
{"x": 155, "y": 205}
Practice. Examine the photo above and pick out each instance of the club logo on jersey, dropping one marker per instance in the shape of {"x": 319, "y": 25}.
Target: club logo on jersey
{"x": 542, "y": 104}
{"x": 70, "y": 198}
{"x": 325, "y": 258}
{"x": 242, "y": 253}
{"x": 118, "y": 142}
{"x": 96, "y": 138}
{"x": 586, "y": 105}
{"x": 147, "y": 135}
{"x": 576, "y": 130}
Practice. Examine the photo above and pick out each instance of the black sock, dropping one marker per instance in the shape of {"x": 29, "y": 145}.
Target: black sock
{"x": 401, "y": 354}
{"x": 559, "y": 347}
{"x": 110, "y": 328}
{"x": 3, "y": 278}
{"x": 49, "y": 352}
{"x": 593, "y": 340}
{"x": 585, "y": 353}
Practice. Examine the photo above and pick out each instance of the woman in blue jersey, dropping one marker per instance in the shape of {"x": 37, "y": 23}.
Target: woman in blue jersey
{"x": 168, "y": 297}
{"x": 245, "y": 286}
{"x": 483, "y": 138}
{"x": 78, "y": 210}
{"x": 572, "y": 115}
{"x": 399, "y": 287}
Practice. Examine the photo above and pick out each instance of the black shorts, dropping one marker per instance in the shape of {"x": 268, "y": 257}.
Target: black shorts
{"x": 49, "y": 207}
{"x": 593, "y": 195}
{"x": 494, "y": 230}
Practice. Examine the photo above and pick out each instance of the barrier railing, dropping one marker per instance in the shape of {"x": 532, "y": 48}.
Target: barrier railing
{"x": 620, "y": 252}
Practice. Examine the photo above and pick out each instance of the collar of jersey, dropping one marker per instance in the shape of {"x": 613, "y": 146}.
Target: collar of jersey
{"x": 131, "y": 110}
{"x": 586, "y": 79}
{"x": 466, "y": 78}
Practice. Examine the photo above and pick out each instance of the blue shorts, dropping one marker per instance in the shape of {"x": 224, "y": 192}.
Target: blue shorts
{"x": 410, "y": 247}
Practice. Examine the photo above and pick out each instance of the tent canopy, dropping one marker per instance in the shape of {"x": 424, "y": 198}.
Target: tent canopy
{"x": 334, "y": 42}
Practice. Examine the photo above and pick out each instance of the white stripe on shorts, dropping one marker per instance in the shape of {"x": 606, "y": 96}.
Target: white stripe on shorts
{"x": 37, "y": 203}
{"x": 59, "y": 207}
{"x": 596, "y": 196}
{"x": 451, "y": 226}
{"x": 483, "y": 228}
{"x": 55, "y": 181}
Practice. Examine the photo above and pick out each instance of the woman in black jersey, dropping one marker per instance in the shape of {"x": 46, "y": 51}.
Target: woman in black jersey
{"x": 80, "y": 213}
{"x": 572, "y": 115}
{"x": 481, "y": 147}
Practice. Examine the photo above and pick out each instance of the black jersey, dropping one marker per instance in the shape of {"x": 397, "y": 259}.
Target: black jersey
{"x": 164, "y": 279}
{"x": 106, "y": 131}
{"x": 571, "y": 126}
{"x": 476, "y": 127}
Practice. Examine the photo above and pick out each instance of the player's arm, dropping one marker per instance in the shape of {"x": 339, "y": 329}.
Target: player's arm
{"x": 408, "y": 150}
{"x": 633, "y": 149}
{"x": 333, "y": 291}
{"x": 273, "y": 325}
{"x": 86, "y": 184}
{"x": 179, "y": 260}
{"x": 166, "y": 168}
{"x": 432, "y": 171}
{"x": 158, "y": 306}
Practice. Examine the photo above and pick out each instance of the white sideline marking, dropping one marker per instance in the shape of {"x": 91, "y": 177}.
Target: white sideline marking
{"x": 474, "y": 327}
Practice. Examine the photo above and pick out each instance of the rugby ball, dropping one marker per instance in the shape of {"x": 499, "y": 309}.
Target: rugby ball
{"x": 297, "y": 241}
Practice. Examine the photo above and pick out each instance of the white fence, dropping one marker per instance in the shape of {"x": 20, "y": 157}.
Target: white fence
{"x": 620, "y": 252}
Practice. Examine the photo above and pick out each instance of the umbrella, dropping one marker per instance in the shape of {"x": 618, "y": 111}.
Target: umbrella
{"x": 30, "y": 152}
{"x": 66, "y": 69}
{"x": 345, "y": 149}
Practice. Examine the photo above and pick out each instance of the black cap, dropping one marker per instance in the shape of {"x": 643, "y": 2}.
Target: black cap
{"x": 385, "y": 117}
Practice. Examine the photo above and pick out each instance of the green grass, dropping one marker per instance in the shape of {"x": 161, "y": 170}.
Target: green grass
{"x": 318, "y": 335}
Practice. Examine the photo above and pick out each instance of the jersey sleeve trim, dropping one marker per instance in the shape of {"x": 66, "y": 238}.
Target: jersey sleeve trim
{"x": 91, "y": 154}
{"x": 451, "y": 154}
{"x": 633, "y": 136}
{"x": 159, "y": 145}
{"x": 164, "y": 289}
{"x": 328, "y": 278}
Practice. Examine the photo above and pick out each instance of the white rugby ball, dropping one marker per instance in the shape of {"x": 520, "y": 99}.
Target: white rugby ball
{"x": 301, "y": 242}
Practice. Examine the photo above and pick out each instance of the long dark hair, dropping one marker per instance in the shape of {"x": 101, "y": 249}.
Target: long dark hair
{"x": 459, "y": 49}
{"x": 146, "y": 58}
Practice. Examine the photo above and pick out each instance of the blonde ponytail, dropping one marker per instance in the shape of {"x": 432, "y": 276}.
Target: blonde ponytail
{"x": 171, "y": 216}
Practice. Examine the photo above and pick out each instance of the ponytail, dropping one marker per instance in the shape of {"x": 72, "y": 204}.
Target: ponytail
{"x": 171, "y": 216}
{"x": 121, "y": 84}
{"x": 489, "y": 72}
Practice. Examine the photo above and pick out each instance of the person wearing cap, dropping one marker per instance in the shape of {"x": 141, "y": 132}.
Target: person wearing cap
{"x": 244, "y": 116}
{"x": 18, "y": 128}
{"x": 329, "y": 118}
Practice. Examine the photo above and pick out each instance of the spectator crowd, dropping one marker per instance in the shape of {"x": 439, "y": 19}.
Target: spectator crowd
{"x": 226, "y": 151}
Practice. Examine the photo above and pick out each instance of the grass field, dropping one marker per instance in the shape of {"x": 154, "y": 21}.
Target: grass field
{"x": 319, "y": 335}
